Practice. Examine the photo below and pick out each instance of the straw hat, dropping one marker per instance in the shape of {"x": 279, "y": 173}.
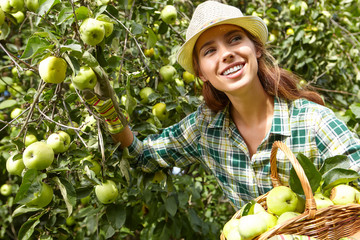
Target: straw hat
{"x": 212, "y": 13}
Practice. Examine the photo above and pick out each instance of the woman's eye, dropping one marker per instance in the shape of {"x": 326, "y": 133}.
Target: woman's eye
{"x": 235, "y": 39}
{"x": 208, "y": 51}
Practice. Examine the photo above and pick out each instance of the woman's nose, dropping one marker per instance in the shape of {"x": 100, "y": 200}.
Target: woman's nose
{"x": 227, "y": 55}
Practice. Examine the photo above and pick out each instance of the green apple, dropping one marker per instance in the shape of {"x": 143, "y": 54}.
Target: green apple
{"x": 42, "y": 198}
{"x": 231, "y": 225}
{"x": 188, "y": 77}
{"x": 32, "y": 5}
{"x": 281, "y": 199}
{"x": 15, "y": 165}
{"x": 59, "y": 141}
{"x": 2, "y": 17}
{"x": 29, "y": 73}
{"x": 256, "y": 208}
{"x": 167, "y": 73}
{"x": 102, "y": 2}
{"x": 159, "y": 176}
{"x": 343, "y": 194}
{"x": 251, "y": 226}
{"x": 270, "y": 219}
{"x": 2, "y": 87}
{"x": 16, "y": 112}
{"x": 168, "y": 14}
{"x": 286, "y": 216}
{"x": 6, "y": 189}
{"x": 108, "y": 24}
{"x": 159, "y": 110}
{"x": 145, "y": 93}
{"x": 29, "y": 139}
{"x": 15, "y": 89}
{"x": 92, "y": 31}
{"x": 53, "y": 69}
{"x": 322, "y": 201}
{"x": 107, "y": 192}
{"x": 85, "y": 79}
{"x": 11, "y": 6}
{"x": 301, "y": 205}
{"x": 19, "y": 16}
{"x": 38, "y": 155}
{"x": 94, "y": 165}
{"x": 70, "y": 130}
{"x": 233, "y": 235}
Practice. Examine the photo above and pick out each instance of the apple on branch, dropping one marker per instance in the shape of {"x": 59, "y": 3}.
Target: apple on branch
{"x": 168, "y": 14}
{"x": 145, "y": 93}
{"x": 92, "y": 31}
{"x": 42, "y": 198}
{"x": 29, "y": 139}
{"x": 53, "y": 69}
{"x": 167, "y": 73}
{"x": 38, "y": 155}
{"x": 11, "y": 6}
{"x": 159, "y": 110}
{"x": 32, "y": 5}
{"x": 15, "y": 164}
{"x": 59, "y": 141}
{"x": 108, "y": 24}
{"x": 6, "y": 189}
{"x": 107, "y": 192}
{"x": 85, "y": 79}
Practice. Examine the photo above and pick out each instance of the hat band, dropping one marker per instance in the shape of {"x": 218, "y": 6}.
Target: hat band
{"x": 211, "y": 22}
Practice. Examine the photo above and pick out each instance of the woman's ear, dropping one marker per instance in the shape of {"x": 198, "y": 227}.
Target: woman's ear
{"x": 258, "y": 54}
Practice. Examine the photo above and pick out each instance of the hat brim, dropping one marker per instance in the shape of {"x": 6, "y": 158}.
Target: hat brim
{"x": 254, "y": 25}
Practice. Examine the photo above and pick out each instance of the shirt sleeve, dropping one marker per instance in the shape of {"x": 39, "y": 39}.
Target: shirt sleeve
{"x": 177, "y": 145}
{"x": 334, "y": 138}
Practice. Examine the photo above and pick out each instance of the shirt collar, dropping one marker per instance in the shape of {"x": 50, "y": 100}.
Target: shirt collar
{"x": 281, "y": 120}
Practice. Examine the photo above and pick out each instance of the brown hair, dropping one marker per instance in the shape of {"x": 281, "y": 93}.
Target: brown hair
{"x": 276, "y": 81}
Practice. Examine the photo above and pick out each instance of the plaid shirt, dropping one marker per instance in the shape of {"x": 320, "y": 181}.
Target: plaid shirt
{"x": 213, "y": 139}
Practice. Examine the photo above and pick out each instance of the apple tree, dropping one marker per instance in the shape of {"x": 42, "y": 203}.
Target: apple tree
{"x": 89, "y": 190}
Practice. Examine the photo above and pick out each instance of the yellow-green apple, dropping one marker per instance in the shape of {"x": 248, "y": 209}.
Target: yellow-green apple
{"x": 233, "y": 235}
{"x": 102, "y": 2}
{"x": 42, "y": 198}
{"x": 106, "y": 192}
{"x": 19, "y": 16}
{"x": 188, "y": 77}
{"x": 145, "y": 93}
{"x": 322, "y": 201}
{"x": 169, "y": 14}
{"x": 53, "y": 69}
{"x": 29, "y": 139}
{"x": 149, "y": 52}
{"x": 159, "y": 110}
{"x": 256, "y": 208}
{"x": 6, "y": 189}
{"x": 286, "y": 216}
{"x": 2, "y": 87}
{"x": 301, "y": 205}
{"x": 343, "y": 194}
{"x": 93, "y": 164}
{"x": 270, "y": 219}
{"x": 85, "y": 79}
{"x": 32, "y": 5}
{"x": 15, "y": 112}
{"x": 15, "y": 165}
{"x": 92, "y": 31}
{"x": 281, "y": 199}
{"x": 108, "y": 24}
{"x": 15, "y": 89}
{"x": 38, "y": 155}
{"x": 167, "y": 73}
{"x": 2, "y": 17}
{"x": 59, "y": 141}
{"x": 231, "y": 225}
{"x": 70, "y": 130}
{"x": 251, "y": 226}
{"x": 29, "y": 73}
{"x": 11, "y": 6}
{"x": 159, "y": 176}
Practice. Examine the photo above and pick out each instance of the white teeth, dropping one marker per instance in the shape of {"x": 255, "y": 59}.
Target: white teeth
{"x": 233, "y": 69}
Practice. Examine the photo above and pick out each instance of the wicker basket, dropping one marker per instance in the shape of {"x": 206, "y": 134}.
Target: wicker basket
{"x": 333, "y": 222}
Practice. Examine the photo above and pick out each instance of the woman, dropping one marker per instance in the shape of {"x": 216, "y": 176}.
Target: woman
{"x": 249, "y": 103}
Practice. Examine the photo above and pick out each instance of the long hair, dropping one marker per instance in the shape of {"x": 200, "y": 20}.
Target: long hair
{"x": 276, "y": 81}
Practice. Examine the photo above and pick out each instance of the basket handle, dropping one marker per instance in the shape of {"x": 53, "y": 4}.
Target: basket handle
{"x": 310, "y": 204}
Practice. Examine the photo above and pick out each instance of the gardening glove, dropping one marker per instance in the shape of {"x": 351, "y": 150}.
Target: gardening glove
{"x": 105, "y": 107}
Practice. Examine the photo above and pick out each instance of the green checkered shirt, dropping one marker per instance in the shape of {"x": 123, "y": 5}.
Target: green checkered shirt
{"x": 213, "y": 139}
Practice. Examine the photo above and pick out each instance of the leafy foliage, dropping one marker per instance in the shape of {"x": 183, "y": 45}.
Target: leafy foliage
{"x": 322, "y": 48}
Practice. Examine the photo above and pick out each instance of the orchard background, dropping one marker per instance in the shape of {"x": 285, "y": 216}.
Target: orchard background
{"x": 319, "y": 40}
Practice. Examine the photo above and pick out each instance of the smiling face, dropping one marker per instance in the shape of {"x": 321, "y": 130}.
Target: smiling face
{"x": 227, "y": 58}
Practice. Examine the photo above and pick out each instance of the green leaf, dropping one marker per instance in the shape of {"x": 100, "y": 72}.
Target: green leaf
{"x": 71, "y": 47}
{"x": 65, "y": 14}
{"x": 116, "y": 215}
{"x": 22, "y": 209}
{"x": 312, "y": 174}
{"x": 68, "y": 192}
{"x": 34, "y": 46}
{"x": 246, "y": 209}
{"x": 152, "y": 38}
{"x": 8, "y": 104}
{"x": 46, "y": 5}
{"x": 355, "y": 108}
{"x": 339, "y": 161}
{"x": 171, "y": 205}
{"x": 31, "y": 183}
{"x": 27, "y": 229}
{"x": 337, "y": 176}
